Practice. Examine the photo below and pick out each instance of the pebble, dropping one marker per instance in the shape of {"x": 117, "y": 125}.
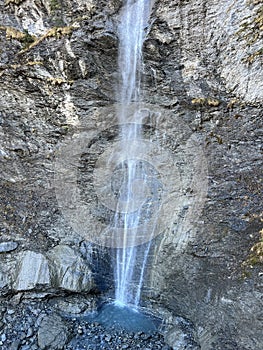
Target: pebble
{"x": 146, "y": 336}
{"x": 8, "y": 246}
{"x": 29, "y": 332}
{"x": 25, "y": 347}
{"x": 10, "y": 312}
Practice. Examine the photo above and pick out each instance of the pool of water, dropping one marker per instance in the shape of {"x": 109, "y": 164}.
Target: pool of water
{"x": 126, "y": 318}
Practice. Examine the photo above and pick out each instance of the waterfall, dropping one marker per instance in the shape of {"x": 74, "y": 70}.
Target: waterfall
{"x": 132, "y": 174}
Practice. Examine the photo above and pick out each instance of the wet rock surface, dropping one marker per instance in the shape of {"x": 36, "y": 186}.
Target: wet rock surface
{"x": 58, "y": 69}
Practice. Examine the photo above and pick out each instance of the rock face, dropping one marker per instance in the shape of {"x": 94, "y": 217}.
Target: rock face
{"x": 58, "y": 71}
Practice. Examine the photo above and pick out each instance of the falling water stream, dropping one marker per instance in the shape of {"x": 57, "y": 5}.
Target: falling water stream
{"x": 132, "y": 187}
{"x": 132, "y": 182}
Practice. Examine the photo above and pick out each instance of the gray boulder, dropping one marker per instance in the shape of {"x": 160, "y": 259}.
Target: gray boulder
{"x": 32, "y": 271}
{"x": 69, "y": 271}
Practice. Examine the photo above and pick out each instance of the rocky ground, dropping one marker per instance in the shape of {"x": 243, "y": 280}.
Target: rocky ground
{"x": 56, "y": 323}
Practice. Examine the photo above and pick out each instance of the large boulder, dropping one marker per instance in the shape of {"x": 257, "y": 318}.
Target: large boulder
{"x": 69, "y": 271}
{"x": 32, "y": 271}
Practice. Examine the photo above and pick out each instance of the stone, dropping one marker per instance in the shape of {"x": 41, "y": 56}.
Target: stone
{"x": 8, "y": 246}
{"x": 29, "y": 332}
{"x": 15, "y": 345}
{"x": 32, "y": 271}
{"x": 52, "y": 333}
{"x": 26, "y": 347}
{"x": 69, "y": 271}
{"x": 10, "y": 311}
{"x": 108, "y": 338}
